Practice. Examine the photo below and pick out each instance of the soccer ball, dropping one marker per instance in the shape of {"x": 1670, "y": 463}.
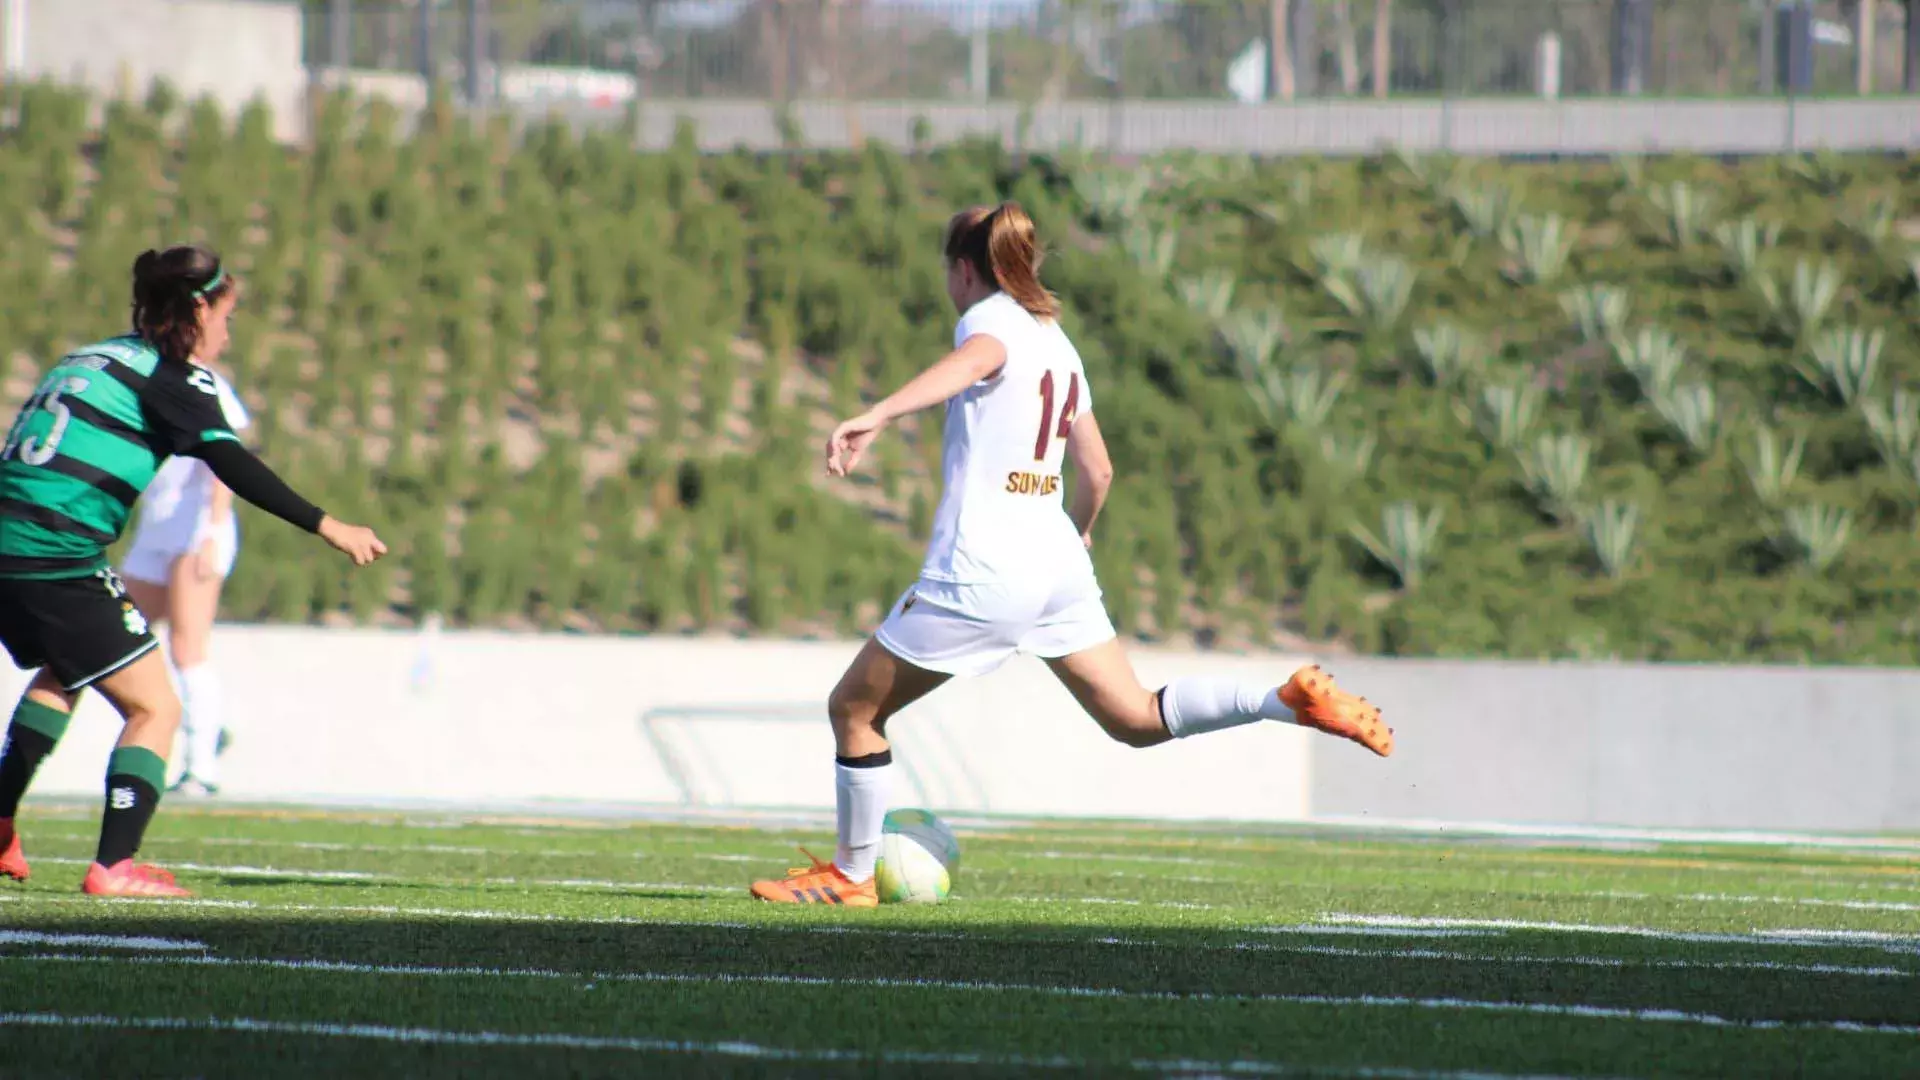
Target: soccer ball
{"x": 919, "y": 858}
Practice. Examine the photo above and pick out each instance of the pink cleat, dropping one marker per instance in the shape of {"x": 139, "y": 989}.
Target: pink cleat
{"x": 128, "y": 878}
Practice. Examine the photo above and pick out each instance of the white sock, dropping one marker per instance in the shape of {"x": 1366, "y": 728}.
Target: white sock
{"x": 1199, "y": 704}
{"x": 860, "y": 798}
{"x": 202, "y": 717}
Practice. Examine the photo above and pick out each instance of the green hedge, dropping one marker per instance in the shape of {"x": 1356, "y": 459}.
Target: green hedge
{"x": 1413, "y": 406}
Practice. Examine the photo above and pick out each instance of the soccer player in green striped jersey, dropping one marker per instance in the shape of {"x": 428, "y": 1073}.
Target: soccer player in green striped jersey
{"x": 83, "y": 447}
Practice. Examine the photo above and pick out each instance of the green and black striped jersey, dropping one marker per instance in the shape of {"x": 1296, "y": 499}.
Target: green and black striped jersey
{"x": 87, "y": 443}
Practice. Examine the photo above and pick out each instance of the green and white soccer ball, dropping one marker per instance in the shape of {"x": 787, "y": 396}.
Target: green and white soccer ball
{"x": 919, "y": 859}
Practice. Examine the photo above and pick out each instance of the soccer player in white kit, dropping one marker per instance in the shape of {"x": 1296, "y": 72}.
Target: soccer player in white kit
{"x": 1007, "y": 568}
{"x": 183, "y": 549}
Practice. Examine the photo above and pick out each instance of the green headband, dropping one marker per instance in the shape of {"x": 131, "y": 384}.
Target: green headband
{"x": 219, "y": 277}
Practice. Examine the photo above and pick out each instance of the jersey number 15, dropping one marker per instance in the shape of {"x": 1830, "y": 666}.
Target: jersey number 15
{"x": 1068, "y": 411}
{"x": 40, "y": 451}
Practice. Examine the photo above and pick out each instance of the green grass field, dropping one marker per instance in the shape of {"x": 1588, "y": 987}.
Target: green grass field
{"x": 416, "y": 944}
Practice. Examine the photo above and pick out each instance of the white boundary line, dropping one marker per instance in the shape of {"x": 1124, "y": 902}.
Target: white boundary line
{"x": 372, "y": 878}
{"x": 562, "y": 814}
{"x": 1610, "y": 834}
{"x": 731, "y": 1048}
{"x": 1335, "y": 923}
{"x": 1867, "y": 939}
{"x": 1371, "y": 1001}
{"x": 358, "y": 968}
{"x": 99, "y": 941}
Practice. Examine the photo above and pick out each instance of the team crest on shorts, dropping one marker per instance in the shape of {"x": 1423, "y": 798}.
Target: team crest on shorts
{"x": 136, "y": 622}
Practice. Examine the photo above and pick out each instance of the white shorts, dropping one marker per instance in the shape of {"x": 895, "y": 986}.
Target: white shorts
{"x": 154, "y": 550}
{"x": 972, "y": 629}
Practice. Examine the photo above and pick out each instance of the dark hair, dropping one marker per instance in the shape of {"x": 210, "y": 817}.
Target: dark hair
{"x": 999, "y": 242}
{"x": 167, "y": 289}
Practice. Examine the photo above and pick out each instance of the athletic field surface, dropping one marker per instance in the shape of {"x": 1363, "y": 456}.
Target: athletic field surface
{"x": 526, "y": 945}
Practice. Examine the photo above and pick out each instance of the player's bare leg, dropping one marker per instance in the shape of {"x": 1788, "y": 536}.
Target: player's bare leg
{"x": 38, "y": 723}
{"x": 193, "y": 600}
{"x": 136, "y": 774}
{"x": 875, "y": 687}
{"x": 1102, "y": 680}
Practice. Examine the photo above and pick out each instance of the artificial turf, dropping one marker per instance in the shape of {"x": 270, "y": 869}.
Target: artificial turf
{"x": 433, "y": 944}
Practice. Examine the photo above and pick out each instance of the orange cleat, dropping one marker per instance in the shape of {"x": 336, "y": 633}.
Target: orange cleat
{"x": 821, "y": 883}
{"x": 128, "y": 878}
{"x": 1319, "y": 704}
{"x": 13, "y": 861}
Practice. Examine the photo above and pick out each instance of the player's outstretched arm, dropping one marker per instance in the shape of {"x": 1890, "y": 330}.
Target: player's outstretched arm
{"x": 978, "y": 358}
{"x": 252, "y": 480}
{"x": 1093, "y": 474}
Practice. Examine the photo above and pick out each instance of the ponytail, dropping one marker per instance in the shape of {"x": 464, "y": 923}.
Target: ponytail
{"x": 999, "y": 243}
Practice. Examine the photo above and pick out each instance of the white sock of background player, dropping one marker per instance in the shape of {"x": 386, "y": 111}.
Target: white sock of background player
{"x": 202, "y": 718}
{"x": 861, "y": 787}
{"x": 1199, "y": 704}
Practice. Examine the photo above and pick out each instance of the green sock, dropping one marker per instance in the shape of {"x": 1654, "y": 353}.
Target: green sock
{"x": 34, "y": 732}
{"x": 135, "y": 778}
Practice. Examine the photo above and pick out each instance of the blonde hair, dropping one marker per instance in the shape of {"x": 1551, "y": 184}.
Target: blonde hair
{"x": 999, "y": 243}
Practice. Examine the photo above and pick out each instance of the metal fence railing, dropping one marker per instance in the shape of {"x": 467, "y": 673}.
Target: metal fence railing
{"x": 1046, "y": 50}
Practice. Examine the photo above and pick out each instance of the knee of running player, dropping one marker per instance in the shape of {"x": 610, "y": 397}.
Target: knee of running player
{"x": 155, "y": 718}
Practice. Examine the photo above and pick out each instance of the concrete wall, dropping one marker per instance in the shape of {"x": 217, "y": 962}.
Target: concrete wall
{"x": 342, "y": 715}
{"x": 229, "y": 50}
{"x": 1480, "y": 126}
{"x": 1671, "y": 746}
{"x": 349, "y": 715}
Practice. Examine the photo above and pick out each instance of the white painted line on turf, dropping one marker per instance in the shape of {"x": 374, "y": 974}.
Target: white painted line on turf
{"x": 416, "y": 849}
{"x": 1731, "y": 898}
{"x": 100, "y": 941}
{"x": 373, "y": 878}
{"x": 1371, "y": 1001}
{"x": 1381, "y": 931}
{"x": 1580, "y": 961}
{"x": 1903, "y": 943}
{"x": 729, "y": 1049}
{"x": 1604, "y": 834}
{"x": 594, "y": 978}
{"x": 240, "y": 871}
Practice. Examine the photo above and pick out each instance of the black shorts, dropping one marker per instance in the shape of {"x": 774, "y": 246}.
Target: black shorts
{"x": 79, "y": 628}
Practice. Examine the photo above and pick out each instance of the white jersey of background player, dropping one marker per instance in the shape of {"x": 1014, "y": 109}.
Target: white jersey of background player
{"x": 183, "y": 549}
{"x": 1007, "y": 569}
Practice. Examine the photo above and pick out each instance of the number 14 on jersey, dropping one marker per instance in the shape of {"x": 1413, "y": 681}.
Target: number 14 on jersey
{"x": 1069, "y": 410}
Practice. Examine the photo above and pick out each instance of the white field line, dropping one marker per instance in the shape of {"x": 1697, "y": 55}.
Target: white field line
{"x": 100, "y": 941}
{"x": 1603, "y": 834}
{"x": 1568, "y": 961}
{"x": 1732, "y": 898}
{"x": 1900, "y": 943}
{"x": 1383, "y": 925}
{"x": 597, "y": 883}
{"x": 594, "y": 978}
{"x": 729, "y": 1049}
{"x": 373, "y": 878}
{"x": 416, "y": 849}
{"x": 1337, "y": 828}
{"x": 1380, "y": 931}
{"x": 1438, "y": 1004}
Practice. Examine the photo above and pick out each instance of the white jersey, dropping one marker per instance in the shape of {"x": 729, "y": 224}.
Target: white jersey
{"x": 182, "y": 489}
{"x": 1002, "y": 516}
